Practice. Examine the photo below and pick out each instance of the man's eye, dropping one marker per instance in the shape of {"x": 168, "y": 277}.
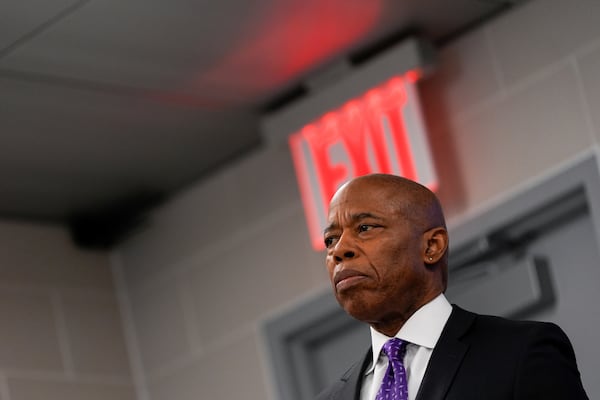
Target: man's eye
{"x": 329, "y": 241}
{"x": 364, "y": 228}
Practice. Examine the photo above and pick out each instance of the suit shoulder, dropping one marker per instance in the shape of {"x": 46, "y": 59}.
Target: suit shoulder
{"x": 350, "y": 377}
{"x": 507, "y": 332}
{"x": 492, "y": 322}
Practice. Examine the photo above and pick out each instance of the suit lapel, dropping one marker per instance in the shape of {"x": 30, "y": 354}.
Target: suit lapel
{"x": 446, "y": 357}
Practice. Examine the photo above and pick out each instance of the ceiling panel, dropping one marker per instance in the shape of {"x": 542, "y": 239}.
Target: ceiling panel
{"x": 19, "y": 18}
{"x": 69, "y": 136}
{"x": 229, "y": 49}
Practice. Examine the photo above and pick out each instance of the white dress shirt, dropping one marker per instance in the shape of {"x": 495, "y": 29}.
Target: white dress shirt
{"x": 422, "y": 331}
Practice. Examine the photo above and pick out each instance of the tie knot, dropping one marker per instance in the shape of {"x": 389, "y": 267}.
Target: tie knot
{"x": 395, "y": 349}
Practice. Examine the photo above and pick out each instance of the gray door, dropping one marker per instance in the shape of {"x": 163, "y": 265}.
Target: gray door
{"x": 554, "y": 276}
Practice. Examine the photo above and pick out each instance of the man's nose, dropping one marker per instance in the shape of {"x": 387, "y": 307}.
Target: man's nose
{"x": 344, "y": 249}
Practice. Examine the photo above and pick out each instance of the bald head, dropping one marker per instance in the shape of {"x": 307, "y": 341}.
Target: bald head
{"x": 413, "y": 200}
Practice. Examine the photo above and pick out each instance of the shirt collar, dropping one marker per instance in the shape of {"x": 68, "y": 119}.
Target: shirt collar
{"x": 423, "y": 328}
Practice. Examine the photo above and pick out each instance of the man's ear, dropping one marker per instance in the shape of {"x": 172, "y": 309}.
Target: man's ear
{"x": 436, "y": 244}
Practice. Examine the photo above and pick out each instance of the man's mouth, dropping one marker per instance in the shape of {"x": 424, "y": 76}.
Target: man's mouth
{"x": 347, "y": 278}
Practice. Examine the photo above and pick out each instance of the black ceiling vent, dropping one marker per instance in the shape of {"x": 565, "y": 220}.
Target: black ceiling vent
{"x": 104, "y": 228}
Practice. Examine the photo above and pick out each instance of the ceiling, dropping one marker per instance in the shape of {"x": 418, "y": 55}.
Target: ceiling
{"x": 109, "y": 106}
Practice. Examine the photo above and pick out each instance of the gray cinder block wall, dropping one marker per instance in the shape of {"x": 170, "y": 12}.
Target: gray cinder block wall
{"x": 61, "y": 336}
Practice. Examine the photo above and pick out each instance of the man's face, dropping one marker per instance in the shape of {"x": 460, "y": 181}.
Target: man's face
{"x": 375, "y": 255}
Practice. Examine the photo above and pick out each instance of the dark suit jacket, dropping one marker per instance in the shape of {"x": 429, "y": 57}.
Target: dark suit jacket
{"x": 488, "y": 358}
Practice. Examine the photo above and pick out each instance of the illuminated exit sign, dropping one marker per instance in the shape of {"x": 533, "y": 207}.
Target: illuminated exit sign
{"x": 380, "y": 131}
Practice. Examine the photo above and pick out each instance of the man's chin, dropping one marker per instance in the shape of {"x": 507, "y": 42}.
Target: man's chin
{"x": 356, "y": 308}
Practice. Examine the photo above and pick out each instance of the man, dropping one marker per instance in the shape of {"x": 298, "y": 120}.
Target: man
{"x": 387, "y": 258}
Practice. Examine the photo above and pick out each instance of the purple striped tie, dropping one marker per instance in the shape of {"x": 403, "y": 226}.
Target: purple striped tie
{"x": 394, "y": 385}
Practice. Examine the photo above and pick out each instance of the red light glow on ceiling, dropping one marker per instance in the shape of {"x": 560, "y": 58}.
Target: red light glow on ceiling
{"x": 290, "y": 40}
